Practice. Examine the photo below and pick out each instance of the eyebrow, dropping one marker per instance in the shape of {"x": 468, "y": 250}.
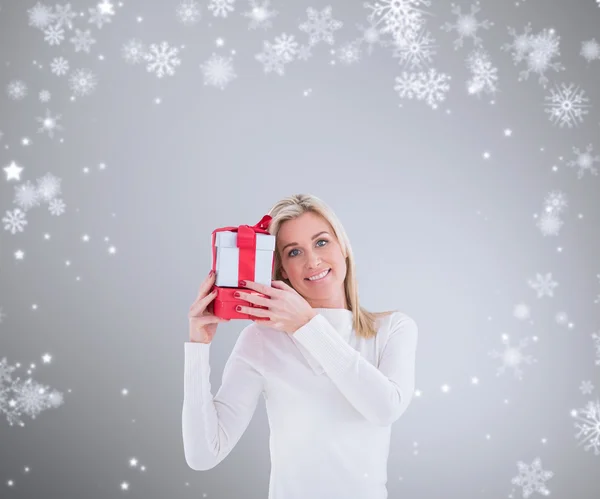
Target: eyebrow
{"x": 314, "y": 237}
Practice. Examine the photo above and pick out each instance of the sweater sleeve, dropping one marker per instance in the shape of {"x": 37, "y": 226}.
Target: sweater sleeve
{"x": 212, "y": 426}
{"x": 381, "y": 394}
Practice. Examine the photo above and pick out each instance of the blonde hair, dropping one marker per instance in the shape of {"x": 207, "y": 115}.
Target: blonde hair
{"x": 288, "y": 208}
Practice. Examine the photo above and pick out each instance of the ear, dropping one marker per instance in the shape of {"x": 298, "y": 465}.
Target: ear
{"x": 284, "y": 274}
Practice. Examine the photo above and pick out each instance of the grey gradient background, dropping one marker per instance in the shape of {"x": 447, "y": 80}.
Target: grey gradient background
{"x": 438, "y": 232}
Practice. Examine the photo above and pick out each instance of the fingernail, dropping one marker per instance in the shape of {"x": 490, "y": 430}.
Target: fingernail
{"x": 242, "y": 283}
{"x": 238, "y": 308}
{"x": 211, "y": 273}
{"x": 236, "y": 294}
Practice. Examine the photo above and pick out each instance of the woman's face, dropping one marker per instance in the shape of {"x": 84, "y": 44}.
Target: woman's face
{"x": 303, "y": 255}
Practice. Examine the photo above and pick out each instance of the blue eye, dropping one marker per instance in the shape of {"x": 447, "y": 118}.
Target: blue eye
{"x": 290, "y": 253}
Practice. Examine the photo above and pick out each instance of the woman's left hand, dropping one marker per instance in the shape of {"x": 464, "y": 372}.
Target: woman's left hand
{"x": 286, "y": 311}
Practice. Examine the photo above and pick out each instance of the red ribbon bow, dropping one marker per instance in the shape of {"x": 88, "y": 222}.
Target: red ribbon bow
{"x": 246, "y": 242}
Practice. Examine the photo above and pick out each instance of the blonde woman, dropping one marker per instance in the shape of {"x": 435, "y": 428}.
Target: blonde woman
{"x": 334, "y": 376}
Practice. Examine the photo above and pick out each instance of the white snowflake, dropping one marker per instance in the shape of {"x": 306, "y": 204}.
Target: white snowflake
{"x": 14, "y": 221}
{"x": 566, "y": 105}
{"x": 416, "y": 53}
{"x": 40, "y": 16}
{"x": 99, "y": 17}
{"x": 48, "y": 187}
{"x": 512, "y": 357}
{"x": 26, "y": 196}
{"x": 218, "y": 71}
{"x": 520, "y": 45}
{"x": 320, "y": 26}
{"x": 272, "y": 62}
{"x": 82, "y": 82}
{"x": 556, "y": 202}
{"x": 64, "y": 16}
{"x": 16, "y": 89}
{"x": 54, "y": 35}
{"x": 134, "y": 51}
{"x": 532, "y": 478}
{"x": 82, "y": 40}
{"x": 543, "y": 47}
{"x": 588, "y": 424}
{"x": 484, "y": 75}
{"x": 466, "y": 25}
{"x": 596, "y": 339}
{"x": 372, "y": 36}
{"x": 429, "y": 86}
{"x": 59, "y": 66}
{"x": 56, "y": 207}
{"x": 44, "y": 95}
{"x": 349, "y": 52}
{"x": 162, "y": 59}
{"x": 188, "y": 12}
{"x": 49, "y": 123}
{"x": 260, "y": 15}
{"x": 286, "y": 47}
{"x": 549, "y": 224}
{"x": 585, "y": 161}
{"x": 537, "y": 51}
{"x": 221, "y": 7}
{"x": 543, "y": 285}
{"x": 590, "y": 50}
{"x": 521, "y": 311}
{"x": 586, "y": 387}
{"x": 403, "y": 19}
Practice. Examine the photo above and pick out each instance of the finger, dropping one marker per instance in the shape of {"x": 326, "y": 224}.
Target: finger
{"x": 206, "y": 285}
{"x": 201, "y": 303}
{"x": 203, "y": 320}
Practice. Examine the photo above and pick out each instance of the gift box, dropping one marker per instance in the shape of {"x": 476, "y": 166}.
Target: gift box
{"x": 241, "y": 253}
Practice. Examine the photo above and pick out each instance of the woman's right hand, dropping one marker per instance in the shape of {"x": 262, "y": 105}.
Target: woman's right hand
{"x": 203, "y": 323}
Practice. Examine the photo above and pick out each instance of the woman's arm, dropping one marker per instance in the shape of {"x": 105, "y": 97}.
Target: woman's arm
{"x": 381, "y": 394}
{"x": 212, "y": 426}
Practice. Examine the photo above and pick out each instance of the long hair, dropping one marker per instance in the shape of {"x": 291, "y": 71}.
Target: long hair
{"x": 364, "y": 321}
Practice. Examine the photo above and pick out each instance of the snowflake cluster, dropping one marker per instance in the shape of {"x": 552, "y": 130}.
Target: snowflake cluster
{"x": 18, "y": 398}
{"x": 28, "y": 196}
{"x": 429, "y": 86}
{"x": 537, "y": 51}
{"x": 550, "y": 222}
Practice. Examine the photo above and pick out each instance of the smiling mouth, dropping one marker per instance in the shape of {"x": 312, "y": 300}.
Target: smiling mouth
{"x": 312, "y": 280}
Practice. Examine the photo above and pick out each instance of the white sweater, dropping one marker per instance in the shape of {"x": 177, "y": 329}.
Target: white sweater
{"x": 331, "y": 397}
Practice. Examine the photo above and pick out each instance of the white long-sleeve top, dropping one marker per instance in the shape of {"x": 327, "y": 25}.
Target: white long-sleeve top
{"x": 331, "y": 397}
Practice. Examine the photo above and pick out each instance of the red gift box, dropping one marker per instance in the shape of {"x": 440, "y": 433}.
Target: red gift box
{"x": 224, "y": 303}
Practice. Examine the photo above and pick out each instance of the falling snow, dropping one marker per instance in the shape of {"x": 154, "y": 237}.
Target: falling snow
{"x": 82, "y": 82}
{"x": 320, "y": 26}
{"x": 466, "y": 25}
{"x": 162, "y": 59}
{"x": 221, "y": 7}
{"x": 596, "y": 339}
{"x": 218, "y": 71}
{"x": 588, "y": 426}
{"x": 566, "y": 105}
{"x": 544, "y": 285}
{"x": 512, "y": 357}
{"x": 403, "y": 19}
{"x": 260, "y": 15}
{"x": 584, "y": 161}
{"x": 416, "y": 53}
{"x": 188, "y": 12}
{"x": 429, "y": 86}
{"x": 532, "y": 478}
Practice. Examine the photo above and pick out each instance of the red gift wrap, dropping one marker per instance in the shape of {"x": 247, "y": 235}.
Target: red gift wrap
{"x": 225, "y": 302}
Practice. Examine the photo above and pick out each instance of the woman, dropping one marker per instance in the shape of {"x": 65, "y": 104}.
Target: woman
{"x": 334, "y": 375}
